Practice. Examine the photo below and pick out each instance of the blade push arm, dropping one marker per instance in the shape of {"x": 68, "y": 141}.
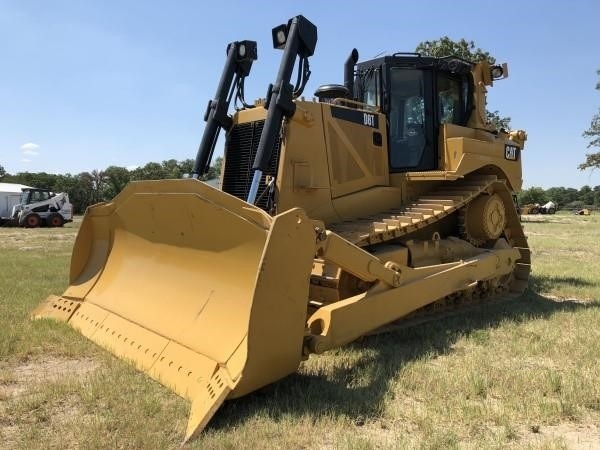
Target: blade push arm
{"x": 398, "y": 290}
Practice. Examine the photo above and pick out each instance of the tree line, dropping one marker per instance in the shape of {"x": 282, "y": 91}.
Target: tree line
{"x": 88, "y": 188}
{"x": 565, "y": 198}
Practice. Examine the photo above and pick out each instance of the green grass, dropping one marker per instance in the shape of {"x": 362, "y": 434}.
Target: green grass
{"x": 567, "y": 255}
{"x": 519, "y": 374}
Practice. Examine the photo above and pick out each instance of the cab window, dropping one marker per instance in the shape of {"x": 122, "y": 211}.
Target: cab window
{"x": 451, "y": 105}
{"x": 371, "y": 89}
{"x": 406, "y": 117}
{"x": 35, "y": 196}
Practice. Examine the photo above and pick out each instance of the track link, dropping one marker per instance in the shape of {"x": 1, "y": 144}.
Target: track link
{"x": 420, "y": 213}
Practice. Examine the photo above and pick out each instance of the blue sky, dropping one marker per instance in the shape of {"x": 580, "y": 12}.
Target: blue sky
{"x": 88, "y": 84}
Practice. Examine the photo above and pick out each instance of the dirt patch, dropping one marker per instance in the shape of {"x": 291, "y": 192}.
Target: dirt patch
{"x": 25, "y": 249}
{"x": 574, "y": 436}
{"x": 18, "y": 380}
{"x": 22, "y": 382}
{"x": 36, "y": 239}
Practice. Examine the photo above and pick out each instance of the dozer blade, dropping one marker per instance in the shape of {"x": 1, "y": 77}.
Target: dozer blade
{"x": 202, "y": 291}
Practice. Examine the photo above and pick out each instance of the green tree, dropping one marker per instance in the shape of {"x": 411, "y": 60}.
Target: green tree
{"x": 177, "y": 169}
{"x": 447, "y": 47}
{"x": 93, "y": 183}
{"x": 592, "y": 160}
{"x": 80, "y": 194}
{"x": 172, "y": 169}
{"x": 499, "y": 123}
{"x": 151, "y": 171}
{"x": 186, "y": 166}
{"x": 466, "y": 50}
{"x": 586, "y": 195}
{"x": 35, "y": 179}
{"x": 558, "y": 195}
{"x": 2, "y": 172}
{"x": 532, "y": 195}
{"x": 571, "y": 195}
{"x": 214, "y": 171}
{"x": 115, "y": 179}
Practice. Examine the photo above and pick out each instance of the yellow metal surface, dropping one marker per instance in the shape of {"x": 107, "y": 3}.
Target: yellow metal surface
{"x": 346, "y": 320}
{"x": 194, "y": 287}
{"x": 486, "y": 217}
{"x": 331, "y": 168}
{"x": 56, "y": 307}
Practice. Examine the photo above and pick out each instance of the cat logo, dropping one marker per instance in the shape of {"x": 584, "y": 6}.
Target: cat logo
{"x": 511, "y": 152}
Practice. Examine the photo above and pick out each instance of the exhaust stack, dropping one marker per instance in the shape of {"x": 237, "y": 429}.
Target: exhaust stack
{"x": 349, "y": 71}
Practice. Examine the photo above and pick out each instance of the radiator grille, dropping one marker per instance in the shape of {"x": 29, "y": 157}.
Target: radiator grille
{"x": 240, "y": 150}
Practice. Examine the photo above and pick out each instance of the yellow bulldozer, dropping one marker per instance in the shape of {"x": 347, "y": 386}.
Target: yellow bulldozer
{"x": 385, "y": 197}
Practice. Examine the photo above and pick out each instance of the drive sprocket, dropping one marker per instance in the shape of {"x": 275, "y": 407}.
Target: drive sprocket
{"x": 483, "y": 219}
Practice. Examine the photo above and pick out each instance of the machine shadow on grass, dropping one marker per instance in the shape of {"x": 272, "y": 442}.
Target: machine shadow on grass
{"x": 358, "y": 390}
{"x": 543, "y": 283}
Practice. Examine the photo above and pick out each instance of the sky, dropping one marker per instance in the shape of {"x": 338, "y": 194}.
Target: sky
{"x": 89, "y": 84}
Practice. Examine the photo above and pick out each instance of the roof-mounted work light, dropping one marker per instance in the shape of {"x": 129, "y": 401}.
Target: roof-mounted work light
{"x": 279, "y": 34}
{"x": 499, "y": 72}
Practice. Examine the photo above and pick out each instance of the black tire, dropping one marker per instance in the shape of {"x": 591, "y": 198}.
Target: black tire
{"x": 31, "y": 220}
{"x": 551, "y": 211}
{"x": 55, "y": 220}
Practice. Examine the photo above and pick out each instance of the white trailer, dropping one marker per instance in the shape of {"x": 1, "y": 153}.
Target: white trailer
{"x": 10, "y": 195}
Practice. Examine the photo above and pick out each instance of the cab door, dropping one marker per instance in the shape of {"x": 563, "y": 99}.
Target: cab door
{"x": 409, "y": 108}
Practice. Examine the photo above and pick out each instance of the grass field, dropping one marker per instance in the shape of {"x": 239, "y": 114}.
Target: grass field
{"x": 519, "y": 374}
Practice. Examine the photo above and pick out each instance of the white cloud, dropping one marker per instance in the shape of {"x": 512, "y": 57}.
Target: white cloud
{"x": 25, "y": 160}
{"x": 30, "y": 148}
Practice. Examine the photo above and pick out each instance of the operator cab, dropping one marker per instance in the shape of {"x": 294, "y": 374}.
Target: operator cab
{"x": 417, "y": 94}
{"x": 30, "y": 195}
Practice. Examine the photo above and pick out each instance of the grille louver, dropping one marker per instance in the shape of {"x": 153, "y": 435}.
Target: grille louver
{"x": 240, "y": 150}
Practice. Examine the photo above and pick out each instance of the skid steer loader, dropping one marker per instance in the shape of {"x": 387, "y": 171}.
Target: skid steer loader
{"x": 388, "y": 197}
